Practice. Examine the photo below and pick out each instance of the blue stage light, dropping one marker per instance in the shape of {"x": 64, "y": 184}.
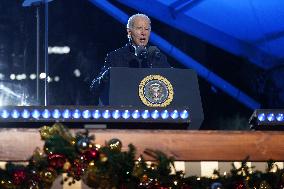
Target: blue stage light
{"x": 145, "y": 114}
{"x": 35, "y": 114}
{"x": 106, "y": 114}
{"x": 56, "y": 114}
{"x": 184, "y": 114}
{"x": 279, "y": 117}
{"x": 270, "y": 117}
{"x": 135, "y": 114}
{"x": 174, "y": 114}
{"x": 76, "y": 114}
{"x": 261, "y": 117}
{"x": 267, "y": 119}
{"x": 96, "y": 114}
{"x": 116, "y": 114}
{"x": 165, "y": 114}
{"x": 126, "y": 114}
{"x": 86, "y": 114}
{"x": 46, "y": 114}
{"x": 4, "y": 114}
{"x": 15, "y": 114}
{"x": 25, "y": 114}
{"x": 66, "y": 114}
{"x": 155, "y": 114}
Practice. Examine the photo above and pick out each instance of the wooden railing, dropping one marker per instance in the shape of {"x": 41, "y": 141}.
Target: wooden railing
{"x": 184, "y": 145}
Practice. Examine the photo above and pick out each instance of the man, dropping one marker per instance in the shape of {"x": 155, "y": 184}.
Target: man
{"x": 136, "y": 53}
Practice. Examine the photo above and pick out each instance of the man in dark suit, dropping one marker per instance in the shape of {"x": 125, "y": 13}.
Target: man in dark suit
{"x": 136, "y": 53}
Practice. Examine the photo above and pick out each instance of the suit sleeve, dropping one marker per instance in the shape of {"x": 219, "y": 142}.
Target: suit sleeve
{"x": 99, "y": 81}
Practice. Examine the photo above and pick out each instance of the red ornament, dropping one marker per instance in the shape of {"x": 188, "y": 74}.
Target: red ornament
{"x": 77, "y": 169}
{"x": 19, "y": 176}
{"x": 239, "y": 185}
{"x": 56, "y": 161}
{"x": 91, "y": 154}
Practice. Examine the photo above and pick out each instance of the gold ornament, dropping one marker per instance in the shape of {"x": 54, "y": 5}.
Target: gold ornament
{"x": 264, "y": 185}
{"x": 115, "y": 145}
{"x": 66, "y": 166}
{"x": 145, "y": 178}
{"x": 38, "y": 155}
{"x": 45, "y": 132}
{"x": 7, "y": 184}
{"x": 103, "y": 157}
{"x": 48, "y": 175}
{"x": 33, "y": 185}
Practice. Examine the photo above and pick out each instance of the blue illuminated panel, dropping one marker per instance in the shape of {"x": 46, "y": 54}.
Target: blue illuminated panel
{"x": 95, "y": 114}
{"x": 267, "y": 119}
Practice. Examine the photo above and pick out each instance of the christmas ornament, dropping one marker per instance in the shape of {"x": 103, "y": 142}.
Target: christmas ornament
{"x": 7, "y": 184}
{"x": 19, "y": 176}
{"x": 216, "y": 185}
{"x": 239, "y": 185}
{"x": 144, "y": 178}
{"x": 264, "y": 185}
{"x": 48, "y": 175}
{"x": 56, "y": 161}
{"x": 83, "y": 144}
{"x": 78, "y": 169}
{"x": 33, "y": 185}
{"x": 37, "y": 156}
{"x": 103, "y": 157}
{"x": 91, "y": 154}
{"x": 66, "y": 166}
{"x": 45, "y": 132}
{"x": 115, "y": 145}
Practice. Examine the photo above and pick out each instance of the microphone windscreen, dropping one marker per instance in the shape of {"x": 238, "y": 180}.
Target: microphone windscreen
{"x": 153, "y": 50}
{"x": 140, "y": 50}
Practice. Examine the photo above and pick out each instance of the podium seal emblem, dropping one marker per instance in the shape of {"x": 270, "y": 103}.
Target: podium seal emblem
{"x": 156, "y": 91}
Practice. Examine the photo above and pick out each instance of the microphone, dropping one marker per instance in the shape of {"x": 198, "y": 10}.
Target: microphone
{"x": 141, "y": 52}
{"x": 154, "y": 51}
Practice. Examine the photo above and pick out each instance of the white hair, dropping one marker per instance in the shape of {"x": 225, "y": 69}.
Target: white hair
{"x": 131, "y": 19}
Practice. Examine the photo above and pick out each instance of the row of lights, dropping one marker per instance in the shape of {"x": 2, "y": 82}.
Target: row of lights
{"x": 33, "y": 76}
{"x": 271, "y": 117}
{"x": 94, "y": 114}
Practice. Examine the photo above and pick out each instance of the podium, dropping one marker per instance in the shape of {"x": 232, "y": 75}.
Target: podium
{"x": 125, "y": 88}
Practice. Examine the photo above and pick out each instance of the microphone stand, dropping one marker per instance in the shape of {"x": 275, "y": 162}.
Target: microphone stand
{"x": 37, "y": 4}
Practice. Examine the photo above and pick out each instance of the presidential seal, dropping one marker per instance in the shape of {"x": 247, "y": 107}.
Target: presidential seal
{"x": 156, "y": 91}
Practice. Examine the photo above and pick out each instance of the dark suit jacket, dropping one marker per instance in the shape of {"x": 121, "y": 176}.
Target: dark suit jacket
{"x": 125, "y": 57}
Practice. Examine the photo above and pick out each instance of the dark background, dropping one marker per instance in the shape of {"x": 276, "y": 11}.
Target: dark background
{"x": 91, "y": 34}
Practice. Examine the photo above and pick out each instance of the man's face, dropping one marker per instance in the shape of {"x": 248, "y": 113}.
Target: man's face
{"x": 140, "y": 32}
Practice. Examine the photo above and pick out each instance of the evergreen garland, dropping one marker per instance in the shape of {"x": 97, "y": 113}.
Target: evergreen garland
{"x": 109, "y": 167}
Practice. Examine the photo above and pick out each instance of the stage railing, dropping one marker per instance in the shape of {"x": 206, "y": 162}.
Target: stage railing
{"x": 17, "y": 144}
